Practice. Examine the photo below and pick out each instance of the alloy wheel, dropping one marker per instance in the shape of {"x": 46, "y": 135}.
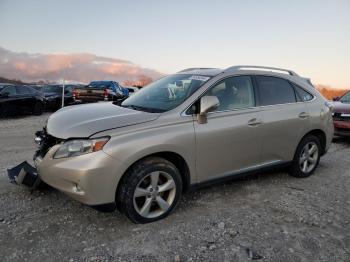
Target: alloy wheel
{"x": 154, "y": 194}
{"x": 308, "y": 157}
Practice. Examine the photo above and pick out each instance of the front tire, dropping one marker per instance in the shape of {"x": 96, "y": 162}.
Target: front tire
{"x": 306, "y": 158}
{"x": 150, "y": 190}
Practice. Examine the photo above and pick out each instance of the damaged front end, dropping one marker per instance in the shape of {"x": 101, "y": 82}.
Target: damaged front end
{"x": 44, "y": 142}
{"x": 26, "y": 174}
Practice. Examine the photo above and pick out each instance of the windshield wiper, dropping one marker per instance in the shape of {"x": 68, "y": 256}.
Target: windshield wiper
{"x": 144, "y": 109}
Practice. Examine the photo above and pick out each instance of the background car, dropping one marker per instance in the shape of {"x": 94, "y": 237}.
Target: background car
{"x": 341, "y": 115}
{"x": 100, "y": 91}
{"x": 53, "y": 96}
{"x": 20, "y": 99}
{"x": 132, "y": 90}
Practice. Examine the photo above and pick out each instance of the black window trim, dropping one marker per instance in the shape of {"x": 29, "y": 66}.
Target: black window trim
{"x": 187, "y": 112}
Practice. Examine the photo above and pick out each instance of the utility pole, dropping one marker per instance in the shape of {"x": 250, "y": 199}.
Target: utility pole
{"x": 62, "y": 93}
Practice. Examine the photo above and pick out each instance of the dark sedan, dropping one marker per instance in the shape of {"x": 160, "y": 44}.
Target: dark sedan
{"x": 341, "y": 115}
{"x": 53, "y": 96}
{"x": 20, "y": 99}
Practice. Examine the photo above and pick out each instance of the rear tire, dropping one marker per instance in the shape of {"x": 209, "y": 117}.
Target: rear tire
{"x": 150, "y": 190}
{"x": 38, "y": 109}
{"x": 306, "y": 158}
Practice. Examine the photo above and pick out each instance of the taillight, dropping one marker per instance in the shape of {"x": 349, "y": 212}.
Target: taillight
{"x": 105, "y": 94}
{"x": 75, "y": 94}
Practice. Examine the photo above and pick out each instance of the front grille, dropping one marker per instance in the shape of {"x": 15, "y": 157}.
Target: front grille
{"x": 47, "y": 141}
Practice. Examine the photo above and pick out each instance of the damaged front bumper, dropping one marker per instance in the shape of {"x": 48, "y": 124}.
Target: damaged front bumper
{"x": 91, "y": 179}
{"x": 24, "y": 174}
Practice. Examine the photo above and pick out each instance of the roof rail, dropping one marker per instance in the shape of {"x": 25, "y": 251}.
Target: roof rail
{"x": 194, "y": 68}
{"x": 268, "y": 68}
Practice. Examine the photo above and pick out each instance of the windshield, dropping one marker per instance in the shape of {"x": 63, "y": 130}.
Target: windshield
{"x": 52, "y": 89}
{"x": 166, "y": 93}
{"x": 100, "y": 85}
{"x": 345, "y": 98}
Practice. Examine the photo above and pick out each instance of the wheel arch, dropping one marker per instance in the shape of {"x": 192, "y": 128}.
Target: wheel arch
{"x": 321, "y": 135}
{"x": 170, "y": 156}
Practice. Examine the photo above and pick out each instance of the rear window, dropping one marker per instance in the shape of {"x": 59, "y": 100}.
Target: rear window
{"x": 274, "y": 91}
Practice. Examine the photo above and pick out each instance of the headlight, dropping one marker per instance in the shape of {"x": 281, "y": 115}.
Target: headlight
{"x": 79, "y": 147}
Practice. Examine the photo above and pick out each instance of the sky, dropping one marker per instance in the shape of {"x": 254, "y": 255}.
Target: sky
{"x": 309, "y": 37}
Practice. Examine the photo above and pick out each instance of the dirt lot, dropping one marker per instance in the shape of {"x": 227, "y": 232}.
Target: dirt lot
{"x": 276, "y": 216}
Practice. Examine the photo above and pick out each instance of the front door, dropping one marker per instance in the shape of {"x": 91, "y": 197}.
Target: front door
{"x": 230, "y": 141}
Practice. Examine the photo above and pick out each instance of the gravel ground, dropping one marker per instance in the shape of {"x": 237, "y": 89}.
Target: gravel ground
{"x": 270, "y": 216}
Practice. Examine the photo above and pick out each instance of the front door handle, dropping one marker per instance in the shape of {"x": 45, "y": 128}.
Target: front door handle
{"x": 254, "y": 122}
{"x": 304, "y": 115}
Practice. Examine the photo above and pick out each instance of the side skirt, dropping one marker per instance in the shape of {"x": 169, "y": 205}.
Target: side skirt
{"x": 240, "y": 174}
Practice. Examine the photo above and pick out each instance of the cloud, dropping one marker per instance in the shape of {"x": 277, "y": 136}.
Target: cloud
{"x": 81, "y": 67}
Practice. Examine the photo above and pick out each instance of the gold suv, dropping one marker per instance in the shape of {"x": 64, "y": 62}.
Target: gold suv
{"x": 197, "y": 126}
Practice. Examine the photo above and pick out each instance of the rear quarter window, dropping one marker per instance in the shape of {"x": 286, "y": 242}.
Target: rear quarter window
{"x": 302, "y": 95}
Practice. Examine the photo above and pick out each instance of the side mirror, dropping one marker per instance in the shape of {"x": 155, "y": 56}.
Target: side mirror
{"x": 336, "y": 98}
{"x": 207, "y": 104}
{"x": 5, "y": 94}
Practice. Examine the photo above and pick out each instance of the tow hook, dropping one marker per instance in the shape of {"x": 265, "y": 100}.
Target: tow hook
{"x": 24, "y": 174}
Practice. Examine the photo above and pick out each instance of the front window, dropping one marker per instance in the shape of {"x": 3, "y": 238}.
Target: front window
{"x": 165, "y": 94}
{"x": 234, "y": 93}
{"x": 345, "y": 98}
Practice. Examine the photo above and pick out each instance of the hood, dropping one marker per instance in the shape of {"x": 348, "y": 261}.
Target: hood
{"x": 86, "y": 120}
{"x": 339, "y": 107}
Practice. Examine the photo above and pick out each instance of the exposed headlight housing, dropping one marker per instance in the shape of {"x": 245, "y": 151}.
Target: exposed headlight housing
{"x": 79, "y": 147}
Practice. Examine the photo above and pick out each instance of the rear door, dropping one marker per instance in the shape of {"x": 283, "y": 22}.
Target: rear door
{"x": 285, "y": 119}
{"x": 230, "y": 141}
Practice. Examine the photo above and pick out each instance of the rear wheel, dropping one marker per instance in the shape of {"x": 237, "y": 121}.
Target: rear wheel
{"x": 150, "y": 190}
{"x": 306, "y": 157}
{"x": 38, "y": 109}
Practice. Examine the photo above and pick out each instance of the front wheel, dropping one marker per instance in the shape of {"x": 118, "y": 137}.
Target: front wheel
{"x": 150, "y": 190}
{"x": 306, "y": 157}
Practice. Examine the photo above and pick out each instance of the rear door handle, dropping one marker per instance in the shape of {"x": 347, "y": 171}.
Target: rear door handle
{"x": 304, "y": 115}
{"x": 254, "y": 122}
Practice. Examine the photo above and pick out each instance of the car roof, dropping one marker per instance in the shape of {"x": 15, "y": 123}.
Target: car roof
{"x": 250, "y": 69}
{"x": 238, "y": 69}
{"x": 202, "y": 71}
{"x": 102, "y": 81}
